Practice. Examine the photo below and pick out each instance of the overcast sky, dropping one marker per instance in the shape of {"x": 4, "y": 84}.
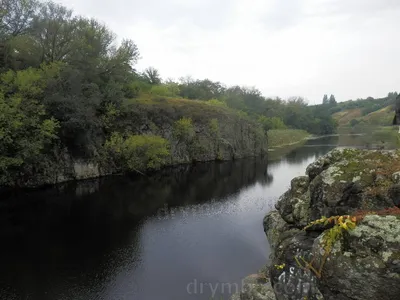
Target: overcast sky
{"x": 349, "y": 48}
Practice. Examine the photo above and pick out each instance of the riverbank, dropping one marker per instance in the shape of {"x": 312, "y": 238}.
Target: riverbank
{"x": 286, "y": 137}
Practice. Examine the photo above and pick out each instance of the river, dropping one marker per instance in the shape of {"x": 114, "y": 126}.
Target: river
{"x": 191, "y": 232}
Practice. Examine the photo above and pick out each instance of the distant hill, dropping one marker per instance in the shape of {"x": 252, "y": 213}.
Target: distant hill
{"x": 368, "y": 111}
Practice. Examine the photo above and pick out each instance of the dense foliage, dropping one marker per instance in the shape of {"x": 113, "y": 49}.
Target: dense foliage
{"x": 67, "y": 87}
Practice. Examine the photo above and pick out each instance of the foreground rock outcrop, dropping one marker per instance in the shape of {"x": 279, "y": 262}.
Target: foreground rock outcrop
{"x": 364, "y": 262}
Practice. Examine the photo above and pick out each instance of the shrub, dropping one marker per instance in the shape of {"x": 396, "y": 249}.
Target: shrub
{"x": 184, "y": 130}
{"x": 135, "y": 88}
{"x": 216, "y": 102}
{"x": 166, "y": 90}
{"x": 138, "y": 152}
{"x": 354, "y": 122}
{"x": 26, "y": 132}
{"x": 242, "y": 114}
{"x": 271, "y": 123}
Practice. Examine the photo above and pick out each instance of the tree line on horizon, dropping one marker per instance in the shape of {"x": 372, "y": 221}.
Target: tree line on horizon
{"x": 331, "y": 100}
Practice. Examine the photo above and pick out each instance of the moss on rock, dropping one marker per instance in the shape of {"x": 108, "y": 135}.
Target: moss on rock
{"x": 365, "y": 262}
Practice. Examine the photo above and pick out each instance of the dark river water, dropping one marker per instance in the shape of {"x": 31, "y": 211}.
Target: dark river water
{"x": 187, "y": 233}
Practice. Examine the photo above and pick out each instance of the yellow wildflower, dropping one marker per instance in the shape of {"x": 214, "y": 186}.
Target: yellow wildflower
{"x": 280, "y": 267}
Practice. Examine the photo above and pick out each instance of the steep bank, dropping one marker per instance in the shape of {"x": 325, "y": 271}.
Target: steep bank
{"x": 219, "y": 133}
{"x": 207, "y": 133}
{"x": 352, "y": 257}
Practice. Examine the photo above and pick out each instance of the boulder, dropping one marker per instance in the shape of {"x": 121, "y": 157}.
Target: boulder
{"x": 342, "y": 182}
{"x": 364, "y": 263}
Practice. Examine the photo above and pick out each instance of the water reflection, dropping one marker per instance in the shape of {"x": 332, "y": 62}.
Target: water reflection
{"x": 102, "y": 239}
{"x": 312, "y": 148}
{"x": 89, "y": 202}
{"x": 302, "y": 154}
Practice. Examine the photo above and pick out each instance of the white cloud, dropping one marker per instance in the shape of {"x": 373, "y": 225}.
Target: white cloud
{"x": 284, "y": 48}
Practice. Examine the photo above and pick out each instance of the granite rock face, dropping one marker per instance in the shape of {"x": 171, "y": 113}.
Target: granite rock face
{"x": 364, "y": 263}
{"x": 235, "y": 137}
{"x": 342, "y": 182}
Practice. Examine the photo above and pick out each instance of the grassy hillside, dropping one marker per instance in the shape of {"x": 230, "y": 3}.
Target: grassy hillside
{"x": 382, "y": 117}
{"x": 344, "y": 117}
{"x": 283, "y": 137}
{"x": 366, "y": 112}
{"x": 352, "y": 117}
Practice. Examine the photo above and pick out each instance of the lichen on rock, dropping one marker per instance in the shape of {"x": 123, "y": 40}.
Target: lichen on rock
{"x": 255, "y": 288}
{"x": 365, "y": 262}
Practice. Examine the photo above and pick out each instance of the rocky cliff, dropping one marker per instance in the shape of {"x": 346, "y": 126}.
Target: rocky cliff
{"x": 353, "y": 251}
{"x": 218, "y": 133}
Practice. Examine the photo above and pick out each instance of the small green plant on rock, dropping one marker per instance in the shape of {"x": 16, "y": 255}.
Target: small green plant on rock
{"x": 335, "y": 233}
{"x": 329, "y": 238}
{"x": 184, "y": 130}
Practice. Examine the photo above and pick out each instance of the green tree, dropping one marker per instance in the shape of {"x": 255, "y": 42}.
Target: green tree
{"x": 152, "y": 76}
{"x": 271, "y": 123}
{"x": 54, "y": 30}
{"x": 201, "y": 89}
{"x": 234, "y": 99}
{"x": 332, "y": 100}
{"x": 78, "y": 106}
{"x": 25, "y": 129}
{"x": 16, "y": 17}
{"x": 325, "y": 99}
